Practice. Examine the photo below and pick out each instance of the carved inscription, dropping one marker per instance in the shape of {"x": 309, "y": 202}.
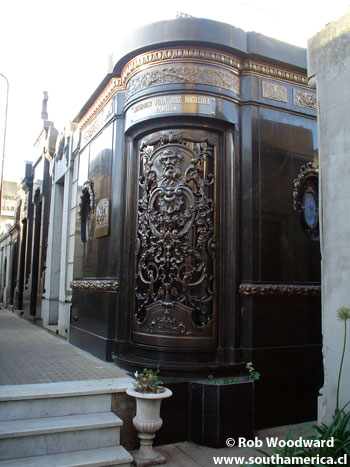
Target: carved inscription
{"x": 175, "y": 228}
{"x": 182, "y": 104}
{"x": 274, "y": 91}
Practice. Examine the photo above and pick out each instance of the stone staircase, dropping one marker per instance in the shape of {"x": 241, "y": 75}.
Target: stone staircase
{"x": 61, "y": 425}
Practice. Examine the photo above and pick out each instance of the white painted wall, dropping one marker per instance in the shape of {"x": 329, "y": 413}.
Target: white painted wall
{"x": 329, "y": 70}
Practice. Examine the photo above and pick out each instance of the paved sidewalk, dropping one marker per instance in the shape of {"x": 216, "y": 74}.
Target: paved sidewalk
{"x": 30, "y": 355}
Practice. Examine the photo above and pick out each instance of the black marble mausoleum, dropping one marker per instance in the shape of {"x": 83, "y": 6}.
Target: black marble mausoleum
{"x": 197, "y": 235}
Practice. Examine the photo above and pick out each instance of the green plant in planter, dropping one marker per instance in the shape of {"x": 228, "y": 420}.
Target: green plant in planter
{"x": 147, "y": 381}
{"x": 222, "y": 380}
{"x": 253, "y": 376}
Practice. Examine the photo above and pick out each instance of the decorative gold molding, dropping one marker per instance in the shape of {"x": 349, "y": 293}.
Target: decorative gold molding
{"x": 156, "y": 57}
{"x": 274, "y": 91}
{"x": 279, "y": 289}
{"x": 264, "y": 69}
{"x": 96, "y": 285}
{"x": 109, "y": 91}
{"x": 194, "y": 56}
{"x": 304, "y": 99}
{"x": 307, "y": 170}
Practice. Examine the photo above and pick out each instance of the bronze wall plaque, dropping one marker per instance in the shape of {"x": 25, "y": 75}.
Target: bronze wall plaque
{"x": 171, "y": 104}
{"x": 274, "y": 91}
{"x": 102, "y": 218}
{"x": 304, "y": 99}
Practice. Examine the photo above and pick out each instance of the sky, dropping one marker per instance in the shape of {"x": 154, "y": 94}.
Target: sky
{"x": 63, "y": 47}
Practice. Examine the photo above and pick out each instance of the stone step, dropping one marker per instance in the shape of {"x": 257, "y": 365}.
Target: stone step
{"x": 34, "y": 437}
{"x": 110, "y": 456}
{"x": 58, "y": 399}
{"x": 55, "y": 407}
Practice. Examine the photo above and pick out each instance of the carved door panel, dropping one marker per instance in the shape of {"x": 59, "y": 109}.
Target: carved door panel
{"x": 175, "y": 283}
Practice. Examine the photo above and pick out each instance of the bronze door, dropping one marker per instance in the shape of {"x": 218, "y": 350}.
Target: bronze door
{"x": 175, "y": 271}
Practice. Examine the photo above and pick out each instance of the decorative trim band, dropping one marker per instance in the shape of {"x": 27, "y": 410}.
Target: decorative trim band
{"x": 157, "y": 57}
{"x": 263, "y": 69}
{"x": 114, "y": 85}
{"x": 96, "y": 285}
{"x": 279, "y": 289}
{"x": 192, "y": 55}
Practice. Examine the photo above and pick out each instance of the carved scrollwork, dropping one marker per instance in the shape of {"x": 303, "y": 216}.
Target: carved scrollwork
{"x": 97, "y": 285}
{"x": 279, "y": 289}
{"x": 175, "y": 231}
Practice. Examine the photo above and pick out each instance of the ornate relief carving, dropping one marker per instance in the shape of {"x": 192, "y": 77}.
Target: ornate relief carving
{"x": 252, "y": 67}
{"x": 306, "y": 171}
{"x": 175, "y": 226}
{"x": 279, "y": 289}
{"x": 274, "y": 91}
{"x": 88, "y": 189}
{"x": 86, "y": 209}
{"x": 305, "y": 199}
{"x": 179, "y": 54}
{"x": 174, "y": 56}
{"x": 102, "y": 218}
{"x": 97, "y": 285}
{"x": 93, "y": 127}
{"x": 304, "y": 99}
{"x": 189, "y": 74}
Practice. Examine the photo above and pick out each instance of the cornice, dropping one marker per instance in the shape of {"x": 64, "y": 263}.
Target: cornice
{"x": 179, "y": 54}
{"x": 109, "y": 91}
{"x": 194, "y": 55}
{"x": 252, "y": 67}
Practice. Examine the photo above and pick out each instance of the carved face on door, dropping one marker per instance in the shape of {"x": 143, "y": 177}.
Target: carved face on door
{"x": 175, "y": 259}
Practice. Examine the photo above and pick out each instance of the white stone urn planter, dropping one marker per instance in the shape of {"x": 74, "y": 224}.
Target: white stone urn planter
{"x": 147, "y": 421}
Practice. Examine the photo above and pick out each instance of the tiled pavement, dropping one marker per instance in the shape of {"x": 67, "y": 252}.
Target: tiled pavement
{"x": 30, "y": 355}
